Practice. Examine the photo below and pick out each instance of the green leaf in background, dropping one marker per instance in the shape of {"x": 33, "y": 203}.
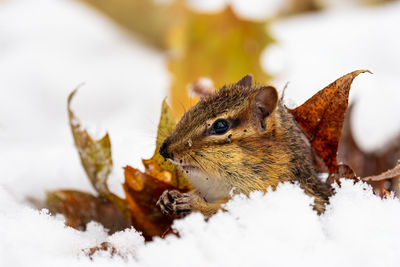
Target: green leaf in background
{"x": 220, "y": 46}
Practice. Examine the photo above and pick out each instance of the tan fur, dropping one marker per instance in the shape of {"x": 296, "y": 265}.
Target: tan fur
{"x": 247, "y": 157}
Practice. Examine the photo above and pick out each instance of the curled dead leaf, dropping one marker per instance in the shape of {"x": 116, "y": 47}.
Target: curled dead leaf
{"x": 95, "y": 155}
{"x": 80, "y": 208}
{"x": 321, "y": 118}
{"x": 141, "y": 200}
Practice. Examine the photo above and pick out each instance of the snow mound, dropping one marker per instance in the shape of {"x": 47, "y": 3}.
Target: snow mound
{"x": 279, "y": 228}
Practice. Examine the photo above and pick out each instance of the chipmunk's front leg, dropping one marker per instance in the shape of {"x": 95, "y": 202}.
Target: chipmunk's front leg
{"x": 174, "y": 202}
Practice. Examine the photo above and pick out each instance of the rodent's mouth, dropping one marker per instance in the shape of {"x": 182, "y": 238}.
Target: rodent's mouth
{"x": 186, "y": 167}
{"x": 189, "y": 167}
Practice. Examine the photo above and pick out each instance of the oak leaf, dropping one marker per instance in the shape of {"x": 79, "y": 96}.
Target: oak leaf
{"x": 322, "y": 116}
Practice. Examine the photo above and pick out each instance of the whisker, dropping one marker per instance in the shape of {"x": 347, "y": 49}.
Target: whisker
{"x": 201, "y": 166}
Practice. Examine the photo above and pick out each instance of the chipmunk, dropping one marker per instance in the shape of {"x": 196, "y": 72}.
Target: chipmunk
{"x": 240, "y": 139}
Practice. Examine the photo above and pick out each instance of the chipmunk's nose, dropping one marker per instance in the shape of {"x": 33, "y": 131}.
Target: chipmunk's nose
{"x": 164, "y": 151}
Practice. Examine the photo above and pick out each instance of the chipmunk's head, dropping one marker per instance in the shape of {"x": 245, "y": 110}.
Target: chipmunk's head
{"x": 230, "y": 133}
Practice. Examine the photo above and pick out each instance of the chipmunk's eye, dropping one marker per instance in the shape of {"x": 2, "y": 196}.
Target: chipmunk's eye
{"x": 220, "y": 126}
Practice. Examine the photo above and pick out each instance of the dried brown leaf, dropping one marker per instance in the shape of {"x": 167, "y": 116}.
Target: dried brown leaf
{"x": 321, "y": 118}
{"x": 390, "y": 174}
{"x": 142, "y": 192}
{"x": 80, "y": 208}
{"x": 95, "y": 155}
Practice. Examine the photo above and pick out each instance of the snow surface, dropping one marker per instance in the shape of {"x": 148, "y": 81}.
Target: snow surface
{"x": 48, "y": 47}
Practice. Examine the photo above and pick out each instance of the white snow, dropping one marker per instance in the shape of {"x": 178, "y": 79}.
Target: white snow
{"x": 280, "y": 229}
{"x": 48, "y": 47}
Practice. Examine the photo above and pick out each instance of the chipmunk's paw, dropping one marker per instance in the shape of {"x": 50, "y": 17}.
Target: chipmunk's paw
{"x": 174, "y": 202}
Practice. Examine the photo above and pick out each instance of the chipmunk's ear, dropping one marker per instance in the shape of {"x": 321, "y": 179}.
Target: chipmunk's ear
{"x": 246, "y": 81}
{"x": 264, "y": 101}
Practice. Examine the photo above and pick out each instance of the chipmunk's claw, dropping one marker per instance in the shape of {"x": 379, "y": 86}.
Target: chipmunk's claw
{"x": 184, "y": 205}
{"x": 174, "y": 202}
{"x": 166, "y": 201}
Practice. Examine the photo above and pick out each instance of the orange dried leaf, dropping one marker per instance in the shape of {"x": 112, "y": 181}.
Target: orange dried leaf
{"x": 142, "y": 192}
{"x": 321, "y": 118}
{"x": 80, "y": 208}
